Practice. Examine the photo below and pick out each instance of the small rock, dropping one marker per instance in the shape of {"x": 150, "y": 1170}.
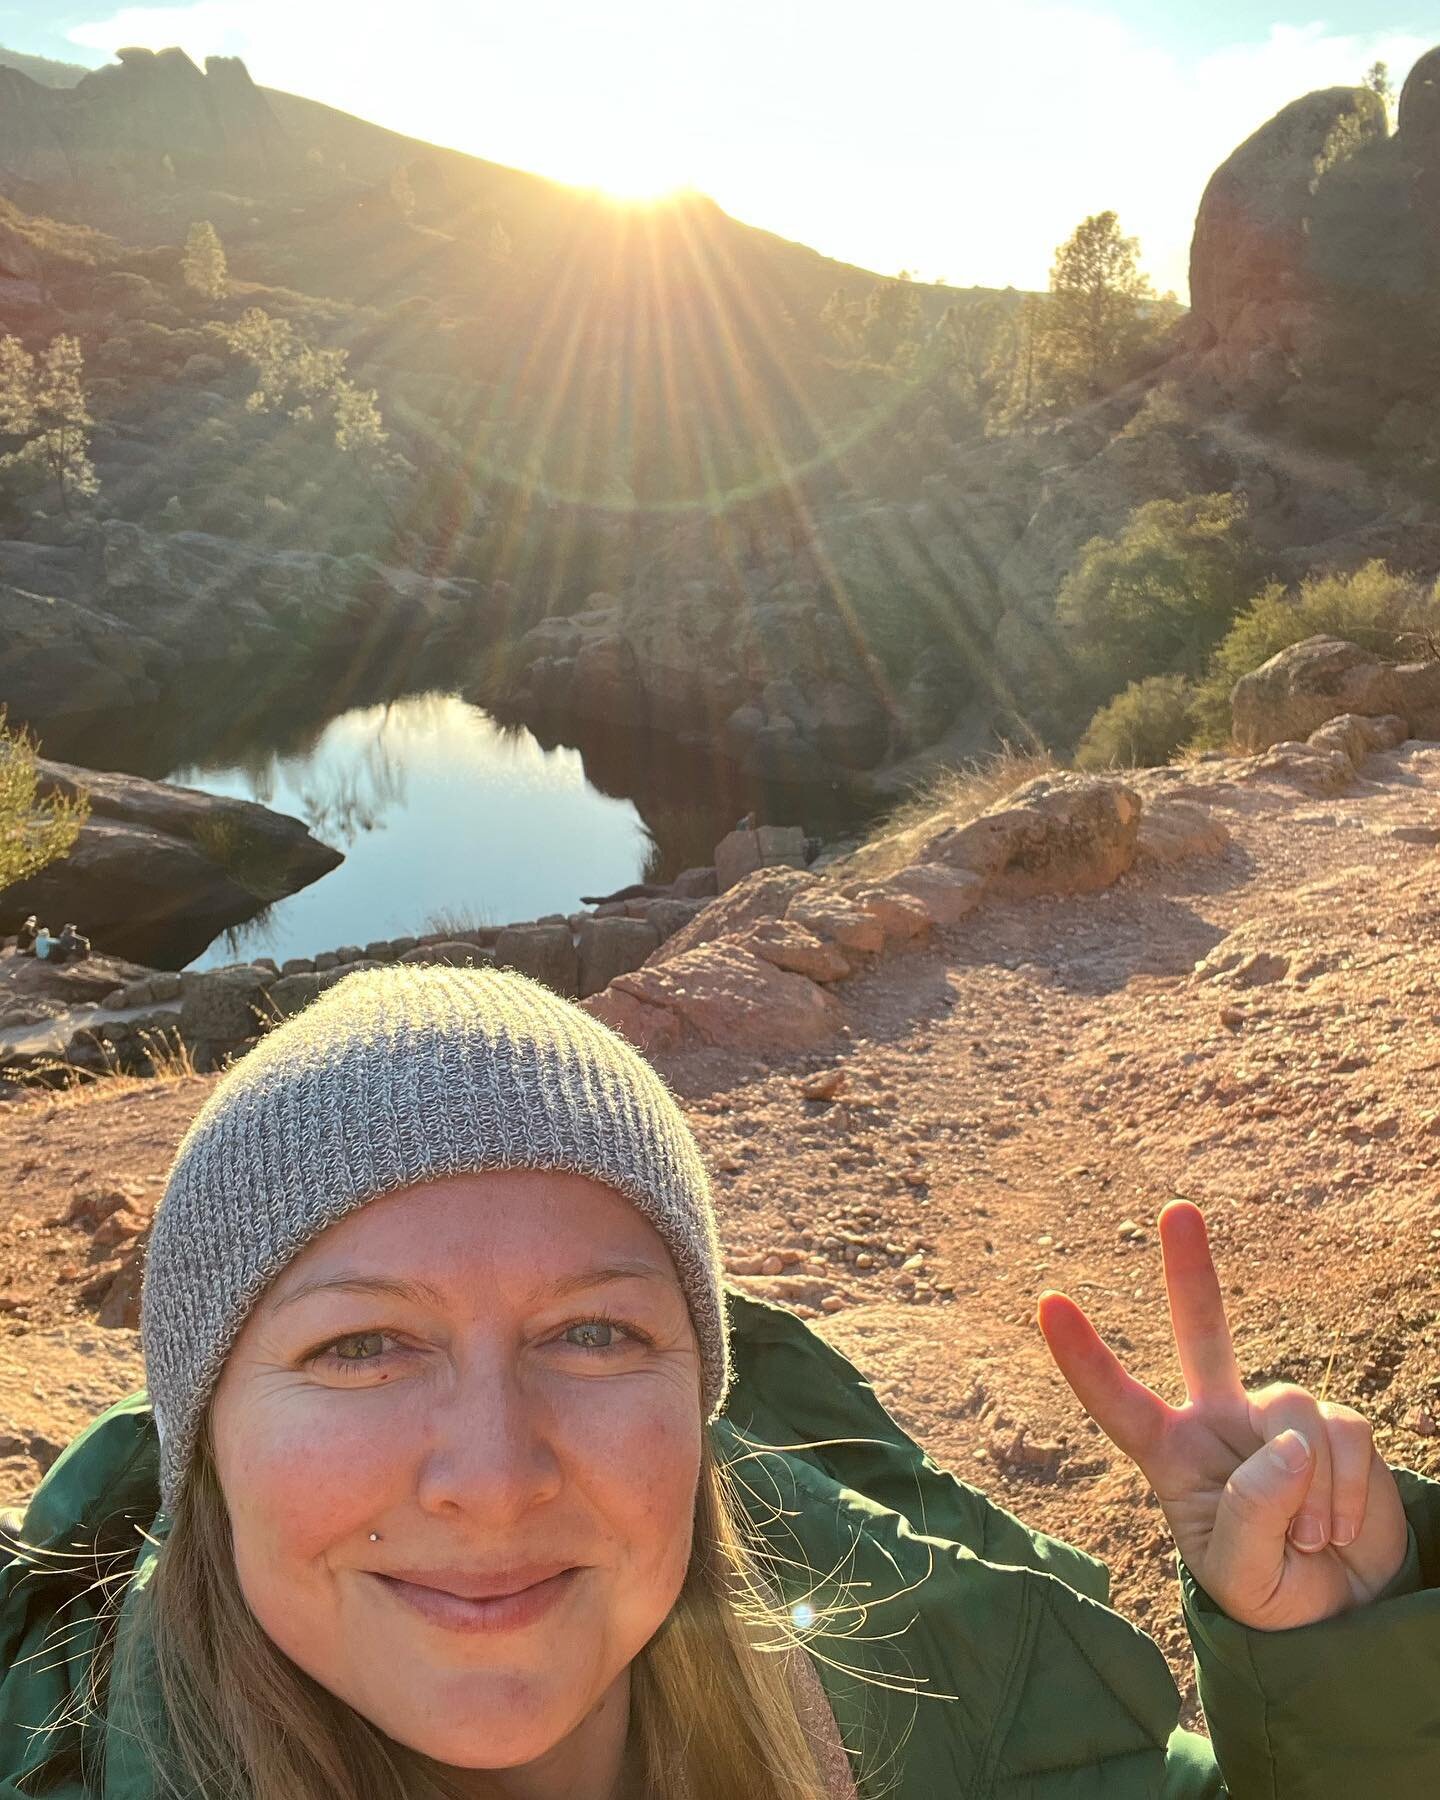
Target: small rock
{"x": 771, "y": 1265}
{"x": 913, "y": 1262}
{"x": 1231, "y": 1017}
{"x": 864, "y": 1260}
{"x": 831, "y": 1303}
{"x": 1129, "y": 1228}
{"x": 1422, "y": 1422}
{"x": 822, "y": 1086}
{"x": 914, "y": 1177}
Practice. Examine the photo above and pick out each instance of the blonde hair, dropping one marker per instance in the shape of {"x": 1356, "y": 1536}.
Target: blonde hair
{"x": 713, "y": 1713}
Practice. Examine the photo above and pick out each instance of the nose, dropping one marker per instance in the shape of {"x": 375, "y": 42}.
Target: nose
{"x": 490, "y": 1450}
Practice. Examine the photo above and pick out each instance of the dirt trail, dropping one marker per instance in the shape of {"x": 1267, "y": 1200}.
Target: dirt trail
{"x": 1016, "y": 1100}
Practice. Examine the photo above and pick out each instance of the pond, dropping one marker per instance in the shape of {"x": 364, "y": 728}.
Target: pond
{"x": 444, "y": 817}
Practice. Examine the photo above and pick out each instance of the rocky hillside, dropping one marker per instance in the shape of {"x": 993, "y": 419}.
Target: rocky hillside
{"x": 630, "y": 486}
{"x": 1011, "y": 1039}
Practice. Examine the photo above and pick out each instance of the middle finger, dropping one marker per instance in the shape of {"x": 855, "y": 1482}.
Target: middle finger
{"x": 1197, "y": 1312}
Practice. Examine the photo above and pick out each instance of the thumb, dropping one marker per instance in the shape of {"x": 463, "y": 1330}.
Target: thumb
{"x": 1246, "y": 1555}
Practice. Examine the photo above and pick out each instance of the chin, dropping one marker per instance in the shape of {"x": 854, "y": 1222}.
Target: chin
{"x": 508, "y": 1724}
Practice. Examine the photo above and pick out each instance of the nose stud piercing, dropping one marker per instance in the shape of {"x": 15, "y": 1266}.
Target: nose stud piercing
{"x": 374, "y": 1537}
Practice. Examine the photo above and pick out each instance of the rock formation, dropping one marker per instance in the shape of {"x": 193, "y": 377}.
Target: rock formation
{"x": 158, "y": 871}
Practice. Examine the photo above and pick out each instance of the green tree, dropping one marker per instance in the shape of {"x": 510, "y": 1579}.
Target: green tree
{"x": 1013, "y": 375}
{"x": 890, "y": 324}
{"x": 305, "y": 383}
{"x": 1377, "y": 79}
{"x": 841, "y": 317}
{"x": 1158, "y": 597}
{"x": 33, "y": 833}
{"x": 1096, "y": 316}
{"x": 1142, "y": 727}
{"x": 42, "y": 402}
{"x": 203, "y": 264}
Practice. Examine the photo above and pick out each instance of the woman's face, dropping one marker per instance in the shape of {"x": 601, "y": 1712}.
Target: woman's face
{"x": 435, "y": 1367}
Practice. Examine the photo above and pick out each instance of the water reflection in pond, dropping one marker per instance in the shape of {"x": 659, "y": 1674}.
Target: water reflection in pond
{"x": 444, "y": 816}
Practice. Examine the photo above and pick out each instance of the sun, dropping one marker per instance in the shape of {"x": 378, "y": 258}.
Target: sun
{"x": 630, "y": 172}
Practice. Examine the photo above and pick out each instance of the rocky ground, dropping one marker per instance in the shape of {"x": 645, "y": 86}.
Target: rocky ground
{"x": 1010, "y": 1104}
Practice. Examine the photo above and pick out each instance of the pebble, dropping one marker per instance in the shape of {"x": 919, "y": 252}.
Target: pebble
{"x": 864, "y": 1260}
{"x": 1132, "y": 1230}
{"x": 832, "y": 1303}
{"x": 822, "y": 1086}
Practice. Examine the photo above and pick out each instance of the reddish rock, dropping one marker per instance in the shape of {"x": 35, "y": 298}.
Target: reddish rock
{"x": 727, "y": 995}
{"x": 788, "y": 945}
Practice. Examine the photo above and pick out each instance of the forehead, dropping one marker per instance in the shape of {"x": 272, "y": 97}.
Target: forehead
{"x": 498, "y": 1225}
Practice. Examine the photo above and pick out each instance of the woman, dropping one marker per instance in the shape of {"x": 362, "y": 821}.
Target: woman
{"x": 461, "y": 1474}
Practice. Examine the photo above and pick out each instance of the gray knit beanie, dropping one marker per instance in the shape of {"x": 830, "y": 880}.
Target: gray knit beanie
{"x": 390, "y": 1077}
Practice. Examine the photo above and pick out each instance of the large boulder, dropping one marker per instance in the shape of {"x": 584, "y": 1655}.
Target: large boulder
{"x": 1305, "y": 686}
{"x": 765, "y": 894}
{"x": 833, "y": 916}
{"x": 611, "y": 947}
{"x": 742, "y": 852}
{"x": 1253, "y": 279}
{"x": 724, "y": 994}
{"x": 1057, "y": 834}
{"x": 787, "y": 944}
{"x": 158, "y": 871}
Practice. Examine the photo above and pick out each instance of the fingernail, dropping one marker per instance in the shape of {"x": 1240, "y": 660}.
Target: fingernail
{"x": 1293, "y": 1450}
{"x": 1342, "y": 1531}
{"x": 1308, "y": 1532}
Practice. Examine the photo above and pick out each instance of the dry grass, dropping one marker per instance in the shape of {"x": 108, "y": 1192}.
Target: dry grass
{"x": 949, "y": 797}
{"x": 68, "y": 1084}
{"x": 457, "y": 922}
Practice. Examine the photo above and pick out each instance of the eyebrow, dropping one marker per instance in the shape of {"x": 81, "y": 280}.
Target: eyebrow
{"x": 420, "y": 1293}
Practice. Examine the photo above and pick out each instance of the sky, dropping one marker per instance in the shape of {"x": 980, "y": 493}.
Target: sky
{"x": 963, "y": 142}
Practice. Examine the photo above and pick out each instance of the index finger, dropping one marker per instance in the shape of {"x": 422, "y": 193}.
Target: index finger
{"x": 1197, "y": 1312}
{"x": 1130, "y": 1414}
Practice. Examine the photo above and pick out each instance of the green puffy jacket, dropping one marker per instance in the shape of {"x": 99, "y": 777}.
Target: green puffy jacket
{"x": 994, "y": 1665}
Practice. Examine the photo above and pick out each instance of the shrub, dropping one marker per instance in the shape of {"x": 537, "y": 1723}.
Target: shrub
{"x": 33, "y": 832}
{"x": 1374, "y": 606}
{"x": 1140, "y": 728}
{"x": 1157, "y": 598}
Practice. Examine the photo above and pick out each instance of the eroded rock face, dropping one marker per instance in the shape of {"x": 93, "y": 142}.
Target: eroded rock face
{"x": 140, "y": 126}
{"x": 1313, "y": 682}
{"x": 1252, "y": 275}
{"x": 1058, "y": 834}
{"x": 765, "y": 894}
{"x": 158, "y": 871}
{"x": 723, "y": 993}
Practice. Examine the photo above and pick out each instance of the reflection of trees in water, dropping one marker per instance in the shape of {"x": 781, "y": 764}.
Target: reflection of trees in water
{"x": 353, "y": 796}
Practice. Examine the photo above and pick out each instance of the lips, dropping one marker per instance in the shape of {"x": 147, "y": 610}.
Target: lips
{"x": 504, "y": 1612}
{"x": 471, "y": 1585}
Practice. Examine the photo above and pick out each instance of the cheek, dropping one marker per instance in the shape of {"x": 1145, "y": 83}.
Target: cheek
{"x": 312, "y": 1477}
{"x": 642, "y": 1473}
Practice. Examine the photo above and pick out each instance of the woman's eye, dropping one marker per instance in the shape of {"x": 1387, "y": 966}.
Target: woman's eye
{"x": 601, "y": 1334}
{"x": 355, "y": 1350}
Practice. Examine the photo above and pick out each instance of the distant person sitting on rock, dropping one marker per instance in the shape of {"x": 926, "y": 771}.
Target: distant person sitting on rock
{"x": 74, "y": 946}
{"x": 44, "y": 943}
{"x": 25, "y": 937}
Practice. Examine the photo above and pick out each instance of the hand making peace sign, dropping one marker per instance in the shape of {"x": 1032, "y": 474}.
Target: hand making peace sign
{"x": 1280, "y": 1505}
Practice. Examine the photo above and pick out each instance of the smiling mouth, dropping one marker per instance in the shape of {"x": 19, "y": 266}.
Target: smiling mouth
{"x": 503, "y": 1612}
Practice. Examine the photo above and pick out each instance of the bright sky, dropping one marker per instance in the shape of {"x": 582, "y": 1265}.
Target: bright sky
{"x": 962, "y": 141}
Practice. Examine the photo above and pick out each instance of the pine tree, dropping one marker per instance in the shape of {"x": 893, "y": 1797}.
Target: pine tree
{"x": 1095, "y": 317}
{"x": 43, "y": 402}
{"x": 203, "y": 264}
